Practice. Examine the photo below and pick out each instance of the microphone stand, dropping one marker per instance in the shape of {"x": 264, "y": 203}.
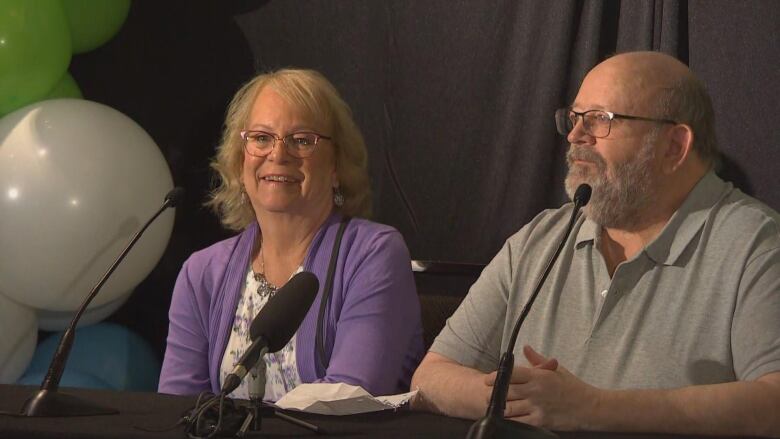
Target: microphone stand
{"x": 236, "y": 419}
{"x": 257, "y": 410}
{"x": 48, "y": 401}
{"x": 493, "y": 424}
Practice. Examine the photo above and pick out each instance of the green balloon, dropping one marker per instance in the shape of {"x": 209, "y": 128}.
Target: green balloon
{"x": 66, "y": 88}
{"x": 34, "y": 50}
{"x": 94, "y": 22}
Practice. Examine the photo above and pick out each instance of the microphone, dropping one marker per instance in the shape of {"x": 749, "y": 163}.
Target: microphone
{"x": 275, "y": 324}
{"x": 174, "y": 196}
{"x": 493, "y": 424}
{"x": 47, "y": 401}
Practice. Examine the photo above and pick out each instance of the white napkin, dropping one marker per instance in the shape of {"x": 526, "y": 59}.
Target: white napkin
{"x": 338, "y": 399}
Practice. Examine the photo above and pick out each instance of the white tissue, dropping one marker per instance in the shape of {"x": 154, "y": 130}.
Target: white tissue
{"x": 338, "y": 399}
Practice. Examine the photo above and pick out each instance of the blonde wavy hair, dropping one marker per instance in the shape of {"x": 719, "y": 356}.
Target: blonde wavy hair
{"x": 312, "y": 91}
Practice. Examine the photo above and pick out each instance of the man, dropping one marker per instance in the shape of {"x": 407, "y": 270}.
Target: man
{"x": 662, "y": 313}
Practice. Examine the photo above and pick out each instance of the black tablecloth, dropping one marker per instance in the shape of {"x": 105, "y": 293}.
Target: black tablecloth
{"x": 139, "y": 412}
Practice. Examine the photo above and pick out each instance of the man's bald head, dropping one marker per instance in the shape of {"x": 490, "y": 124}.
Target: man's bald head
{"x": 657, "y": 85}
{"x": 651, "y": 68}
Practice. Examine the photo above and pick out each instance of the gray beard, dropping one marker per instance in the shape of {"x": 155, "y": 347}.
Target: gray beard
{"x": 619, "y": 200}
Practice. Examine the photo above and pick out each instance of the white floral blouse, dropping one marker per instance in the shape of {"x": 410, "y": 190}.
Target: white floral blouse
{"x": 279, "y": 369}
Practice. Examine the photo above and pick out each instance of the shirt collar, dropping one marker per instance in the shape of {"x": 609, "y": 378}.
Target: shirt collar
{"x": 682, "y": 227}
{"x": 588, "y": 233}
{"x": 688, "y": 220}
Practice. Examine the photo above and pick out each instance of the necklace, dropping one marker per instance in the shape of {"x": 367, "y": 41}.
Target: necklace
{"x": 265, "y": 289}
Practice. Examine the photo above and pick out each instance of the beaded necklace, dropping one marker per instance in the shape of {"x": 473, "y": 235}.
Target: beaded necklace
{"x": 265, "y": 289}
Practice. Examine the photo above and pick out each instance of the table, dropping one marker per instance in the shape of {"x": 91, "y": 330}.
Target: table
{"x": 151, "y": 411}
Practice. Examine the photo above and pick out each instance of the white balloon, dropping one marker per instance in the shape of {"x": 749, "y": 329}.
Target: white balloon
{"x": 77, "y": 178}
{"x": 18, "y": 337}
{"x": 59, "y": 320}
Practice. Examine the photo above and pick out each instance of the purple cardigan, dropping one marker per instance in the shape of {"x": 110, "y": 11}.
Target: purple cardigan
{"x": 374, "y": 332}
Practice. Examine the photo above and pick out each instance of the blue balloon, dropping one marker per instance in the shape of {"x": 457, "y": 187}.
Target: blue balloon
{"x": 70, "y": 378}
{"x": 107, "y": 352}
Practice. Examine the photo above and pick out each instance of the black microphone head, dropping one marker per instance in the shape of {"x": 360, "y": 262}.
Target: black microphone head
{"x": 174, "y": 197}
{"x": 582, "y": 194}
{"x": 281, "y": 316}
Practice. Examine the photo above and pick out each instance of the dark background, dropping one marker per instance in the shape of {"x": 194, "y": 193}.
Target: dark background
{"x": 455, "y": 99}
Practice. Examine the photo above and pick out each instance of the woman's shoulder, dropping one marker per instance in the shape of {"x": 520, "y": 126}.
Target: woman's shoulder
{"x": 215, "y": 255}
{"x": 368, "y": 243}
{"x": 372, "y": 235}
{"x": 367, "y": 227}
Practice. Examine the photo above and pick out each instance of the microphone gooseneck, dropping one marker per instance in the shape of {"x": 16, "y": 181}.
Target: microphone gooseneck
{"x": 47, "y": 402}
{"x": 493, "y": 424}
{"x": 254, "y": 352}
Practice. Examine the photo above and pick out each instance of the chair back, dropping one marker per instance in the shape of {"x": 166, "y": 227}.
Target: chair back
{"x": 441, "y": 286}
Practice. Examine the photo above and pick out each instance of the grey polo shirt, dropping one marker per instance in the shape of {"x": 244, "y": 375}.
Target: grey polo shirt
{"x": 700, "y": 304}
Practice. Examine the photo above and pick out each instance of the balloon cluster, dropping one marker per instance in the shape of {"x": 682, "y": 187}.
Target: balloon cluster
{"x": 77, "y": 178}
{"x": 37, "y": 40}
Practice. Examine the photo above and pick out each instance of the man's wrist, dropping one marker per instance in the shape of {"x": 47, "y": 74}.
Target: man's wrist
{"x": 596, "y": 409}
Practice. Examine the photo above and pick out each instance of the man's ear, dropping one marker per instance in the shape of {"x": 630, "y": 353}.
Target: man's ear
{"x": 679, "y": 147}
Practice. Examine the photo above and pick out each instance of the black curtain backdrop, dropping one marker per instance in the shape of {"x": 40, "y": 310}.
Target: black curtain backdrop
{"x": 455, "y": 99}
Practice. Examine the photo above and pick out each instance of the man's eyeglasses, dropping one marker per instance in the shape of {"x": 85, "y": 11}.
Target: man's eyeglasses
{"x": 261, "y": 143}
{"x": 597, "y": 123}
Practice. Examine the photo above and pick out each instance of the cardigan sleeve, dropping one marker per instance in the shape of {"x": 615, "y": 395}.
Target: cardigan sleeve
{"x": 185, "y": 366}
{"x": 379, "y": 325}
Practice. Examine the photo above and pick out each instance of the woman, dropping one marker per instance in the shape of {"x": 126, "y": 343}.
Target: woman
{"x": 292, "y": 172}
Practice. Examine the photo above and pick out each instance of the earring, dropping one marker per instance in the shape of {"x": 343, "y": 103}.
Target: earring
{"x": 243, "y": 195}
{"x": 338, "y": 197}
